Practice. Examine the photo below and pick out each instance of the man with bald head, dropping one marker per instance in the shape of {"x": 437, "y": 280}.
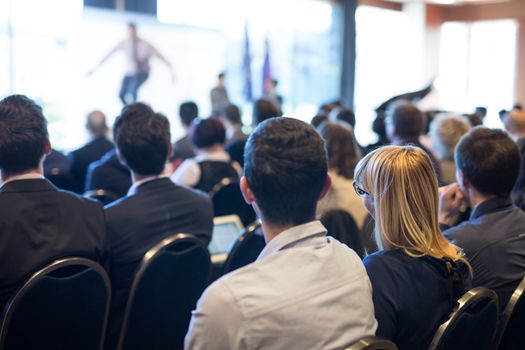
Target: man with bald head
{"x": 92, "y": 151}
{"x": 514, "y": 123}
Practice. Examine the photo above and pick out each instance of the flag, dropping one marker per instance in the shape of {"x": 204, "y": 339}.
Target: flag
{"x": 266, "y": 71}
{"x": 246, "y": 63}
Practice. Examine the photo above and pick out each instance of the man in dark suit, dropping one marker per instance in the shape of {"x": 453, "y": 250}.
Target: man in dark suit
{"x": 182, "y": 149}
{"x": 92, "y": 151}
{"x": 154, "y": 207}
{"x": 38, "y": 222}
{"x": 108, "y": 174}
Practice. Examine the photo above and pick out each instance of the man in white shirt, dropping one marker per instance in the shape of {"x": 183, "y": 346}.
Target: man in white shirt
{"x": 138, "y": 54}
{"x": 306, "y": 290}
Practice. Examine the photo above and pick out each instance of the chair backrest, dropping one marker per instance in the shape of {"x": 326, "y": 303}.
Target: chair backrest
{"x": 472, "y": 324}
{"x": 246, "y": 248}
{"x": 512, "y": 322}
{"x": 62, "y": 180}
{"x": 342, "y": 226}
{"x": 372, "y": 343}
{"x": 104, "y": 196}
{"x": 169, "y": 281}
{"x": 227, "y": 199}
{"x": 65, "y": 305}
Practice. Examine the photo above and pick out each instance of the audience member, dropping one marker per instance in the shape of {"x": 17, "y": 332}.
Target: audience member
{"x": 318, "y": 120}
{"x": 272, "y": 94}
{"x": 306, "y": 290}
{"x": 379, "y": 128}
{"x": 212, "y": 163}
{"x": 57, "y": 171}
{"x": 487, "y": 162}
{"x": 418, "y": 275}
{"x": 514, "y": 123}
{"x": 263, "y": 109}
{"x": 154, "y": 207}
{"x": 445, "y": 132}
{"x": 182, "y": 149}
{"x": 93, "y": 150}
{"x": 404, "y": 126}
{"x": 219, "y": 94}
{"x": 343, "y": 155}
{"x": 108, "y": 174}
{"x": 231, "y": 119}
{"x": 38, "y": 222}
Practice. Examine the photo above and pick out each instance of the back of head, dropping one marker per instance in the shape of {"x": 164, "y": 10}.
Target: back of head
{"x": 143, "y": 139}
{"x": 96, "y": 123}
{"x": 341, "y": 148}
{"x": 24, "y": 134}
{"x": 514, "y": 122}
{"x": 403, "y": 185}
{"x": 264, "y": 109}
{"x": 232, "y": 114}
{"x": 445, "y": 132}
{"x": 188, "y": 111}
{"x": 205, "y": 133}
{"x": 489, "y": 159}
{"x": 405, "y": 121}
{"x": 285, "y": 165}
{"x": 346, "y": 115}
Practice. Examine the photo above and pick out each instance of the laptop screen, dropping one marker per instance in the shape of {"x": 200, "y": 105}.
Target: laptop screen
{"x": 226, "y": 229}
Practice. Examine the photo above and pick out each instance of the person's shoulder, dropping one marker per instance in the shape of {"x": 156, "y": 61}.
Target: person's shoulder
{"x": 384, "y": 259}
{"x": 72, "y": 199}
{"x": 464, "y": 233}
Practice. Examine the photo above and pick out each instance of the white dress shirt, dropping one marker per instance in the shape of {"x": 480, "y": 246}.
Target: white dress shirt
{"x": 305, "y": 291}
{"x": 144, "y": 53}
{"x": 189, "y": 172}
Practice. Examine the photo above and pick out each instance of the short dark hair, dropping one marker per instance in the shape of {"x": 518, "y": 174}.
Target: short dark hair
{"x": 221, "y": 75}
{"x": 264, "y": 109}
{"x": 132, "y": 25}
{"x": 346, "y": 115}
{"x": 205, "y": 133}
{"x": 285, "y": 164}
{"x": 142, "y": 138}
{"x": 318, "y": 120}
{"x": 188, "y": 111}
{"x": 489, "y": 159}
{"x": 23, "y": 134}
{"x": 232, "y": 113}
{"x": 408, "y": 120}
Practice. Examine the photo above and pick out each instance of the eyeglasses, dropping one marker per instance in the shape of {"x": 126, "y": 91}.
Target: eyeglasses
{"x": 360, "y": 192}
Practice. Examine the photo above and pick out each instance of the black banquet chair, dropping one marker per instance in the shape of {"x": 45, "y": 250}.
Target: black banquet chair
{"x": 372, "y": 343}
{"x": 472, "y": 324}
{"x": 510, "y": 333}
{"x": 342, "y": 226}
{"x": 169, "y": 281}
{"x": 104, "y": 196}
{"x": 246, "y": 248}
{"x": 227, "y": 199}
{"x": 65, "y": 305}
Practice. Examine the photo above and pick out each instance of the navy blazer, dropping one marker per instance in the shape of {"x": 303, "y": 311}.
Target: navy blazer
{"x": 108, "y": 174}
{"x": 155, "y": 210}
{"x": 39, "y": 224}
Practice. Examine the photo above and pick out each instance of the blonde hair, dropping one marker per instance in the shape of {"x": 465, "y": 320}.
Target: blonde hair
{"x": 404, "y": 187}
{"x": 445, "y": 132}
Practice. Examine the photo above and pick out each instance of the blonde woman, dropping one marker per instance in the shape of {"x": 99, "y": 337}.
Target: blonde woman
{"x": 418, "y": 275}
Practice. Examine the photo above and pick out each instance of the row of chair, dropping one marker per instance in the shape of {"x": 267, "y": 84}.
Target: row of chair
{"x": 65, "y": 305}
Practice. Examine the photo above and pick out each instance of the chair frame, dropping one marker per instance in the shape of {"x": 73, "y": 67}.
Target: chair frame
{"x": 225, "y": 181}
{"x": 250, "y": 229}
{"x": 13, "y": 302}
{"x": 372, "y": 343}
{"x": 150, "y": 255}
{"x": 463, "y": 303}
{"x": 508, "y": 312}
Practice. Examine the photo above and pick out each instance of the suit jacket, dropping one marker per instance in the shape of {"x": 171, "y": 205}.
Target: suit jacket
{"x": 82, "y": 157}
{"x": 155, "y": 210}
{"x": 108, "y": 174}
{"x": 39, "y": 224}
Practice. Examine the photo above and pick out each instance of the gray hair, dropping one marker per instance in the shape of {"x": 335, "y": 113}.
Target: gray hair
{"x": 445, "y": 132}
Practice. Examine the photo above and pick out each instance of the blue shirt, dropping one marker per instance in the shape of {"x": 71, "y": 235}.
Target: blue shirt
{"x": 493, "y": 240}
{"x": 413, "y": 296}
{"x": 305, "y": 291}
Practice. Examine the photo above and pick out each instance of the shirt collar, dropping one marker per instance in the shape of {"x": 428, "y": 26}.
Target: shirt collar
{"x": 491, "y": 205}
{"x": 291, "y": 236}
{"x": 27, "y": 176}
{"x": 133, "y": 189}
{"x": 218, "y": 156}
